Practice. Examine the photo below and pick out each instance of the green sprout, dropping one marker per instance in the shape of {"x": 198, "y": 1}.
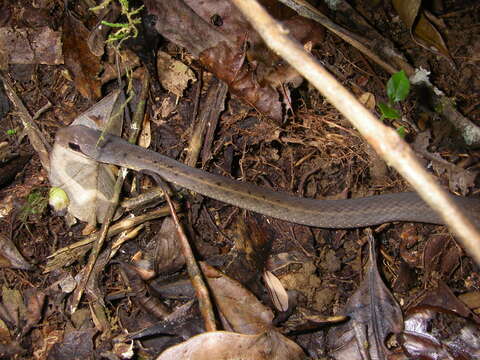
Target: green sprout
{"x": 11, "y": 131}
{"x": 36, "y": 204}
{"x": 398, "y": 87}
{"x": 125, "y": 30}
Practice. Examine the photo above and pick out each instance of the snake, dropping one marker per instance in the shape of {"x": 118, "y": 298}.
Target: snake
{"x": 334, "y": 214}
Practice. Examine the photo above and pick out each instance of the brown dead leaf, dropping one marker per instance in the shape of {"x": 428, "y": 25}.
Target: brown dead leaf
{"x": 168, "y": 254}
{"x": 35, "y": 300}
{"x": 221, "y": 345}
{"x": 173, "y": 74}
{"x": 374, "y": 314}
{"x": 76, "y": 344}
{"x": 88, "y": 184}
{"x": 240, "y": 309}
{"x": 30, "y": 46}
{"x": 459, "y": 179}
{"x": 82, "y": 63}
{"x": 423, "y": 32}
{"x": 443, "y": 297}
{"x": 10, "y": 256}
{"x": 368, "y": 99}
{"x": 441, "y": 255}
{"x": 277, "y": 292}
{"x": 432, "y": 334}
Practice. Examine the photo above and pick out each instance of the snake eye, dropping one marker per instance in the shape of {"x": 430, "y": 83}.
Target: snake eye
{"x": 74, "y": 147}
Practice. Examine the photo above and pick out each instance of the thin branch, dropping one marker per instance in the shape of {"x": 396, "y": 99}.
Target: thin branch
{"x": 194, "y": 272}
{"x": 383, "y": 139}
{"x": 37, "y": 139}
{"x": 135, "y": 127}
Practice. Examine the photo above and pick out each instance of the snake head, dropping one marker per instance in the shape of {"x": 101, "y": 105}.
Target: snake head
{"x": 84, "y": 140}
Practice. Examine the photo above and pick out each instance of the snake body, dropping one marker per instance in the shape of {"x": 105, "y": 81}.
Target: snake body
{"x": 349, "y": 213}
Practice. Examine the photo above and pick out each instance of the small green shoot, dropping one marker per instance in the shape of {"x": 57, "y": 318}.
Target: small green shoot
{"x": 11, "y": 131}
{"x": 398, "y": 87}
{"x": 36, "y": 204}
{"x": 124, "y": 30}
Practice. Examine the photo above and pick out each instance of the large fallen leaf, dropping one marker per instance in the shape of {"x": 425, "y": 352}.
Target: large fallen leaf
{"x": 222, "y": 345}
{"x": 76, "y": 344}
{"x": 374, "y": 314}
{"x": 225, "y": 43}
{"x": 423, "y": 32}
{"x": 80, "y": 61}
{"x": 88, "y": 184}
{"x": 173, "y": 74}
{"x": 240, "y": 309}
{"x": 459, "y": 179}
{"x": 10, "y": 256}
{"x": 432, "y": 333}
{"x": 30, "y": 46}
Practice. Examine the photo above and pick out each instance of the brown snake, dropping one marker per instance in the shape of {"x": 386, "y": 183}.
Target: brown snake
{"x": 351, "y": 213}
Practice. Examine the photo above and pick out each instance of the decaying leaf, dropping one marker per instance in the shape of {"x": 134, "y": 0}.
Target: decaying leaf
{"x": 221, "y": 345}
{"x": 13, "y": 303}
{"x": 88, "y": 184}
{"x": 368, "y": 99}
{"x": 222, "y": 46}
{"x": 173, "y": 74}
{"x": 277, "y": 292}
{"x": 432, "y": 333}
{"x": 240, "y": 309}
{"x": 35, "y": 300}
{"x": 422, "y": 30}
{"x": 82, "y": 63}
{"x": 30, "y": 46}
{"x": 374, "y": 314}
{"x": 459, "y": 179}
{"x": 76, "y": 344}
{"x": 168, "y": 254}
{"x": 10, "y": 256}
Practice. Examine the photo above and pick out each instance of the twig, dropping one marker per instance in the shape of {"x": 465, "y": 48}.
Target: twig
{"x": 201, "y": 290}
{"x": 37, "y": 140}
{"x": 135, "y": 127}
{"x": 70, "y": 253}
{"x": 304, "y": 9}
{"x": 209, "y": 114}
{"x": 383, "y": 139}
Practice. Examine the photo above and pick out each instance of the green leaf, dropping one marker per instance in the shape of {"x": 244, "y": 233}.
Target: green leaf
{"x": 401, "y": 131}
{"x": 398, "y": 87}
{"x": 388, "y": 112}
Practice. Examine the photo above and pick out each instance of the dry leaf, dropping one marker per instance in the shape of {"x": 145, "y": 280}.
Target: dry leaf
{"x": 221, "y": 345}
{"x": 173, "y": 74}
{"x": 423, "y": 32}
{"x": 277, "y": 292}
{"x": 368, "y": 100}
{"x": 30, "y": 46}
{"x": 374, "y": 314}
{"x": 88, "y": 184}
{"x": 80, "y": 61}
{"x": 10, "y": 256}
{"x": 168, "y": 254}
{"x": 241, "y": 310}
